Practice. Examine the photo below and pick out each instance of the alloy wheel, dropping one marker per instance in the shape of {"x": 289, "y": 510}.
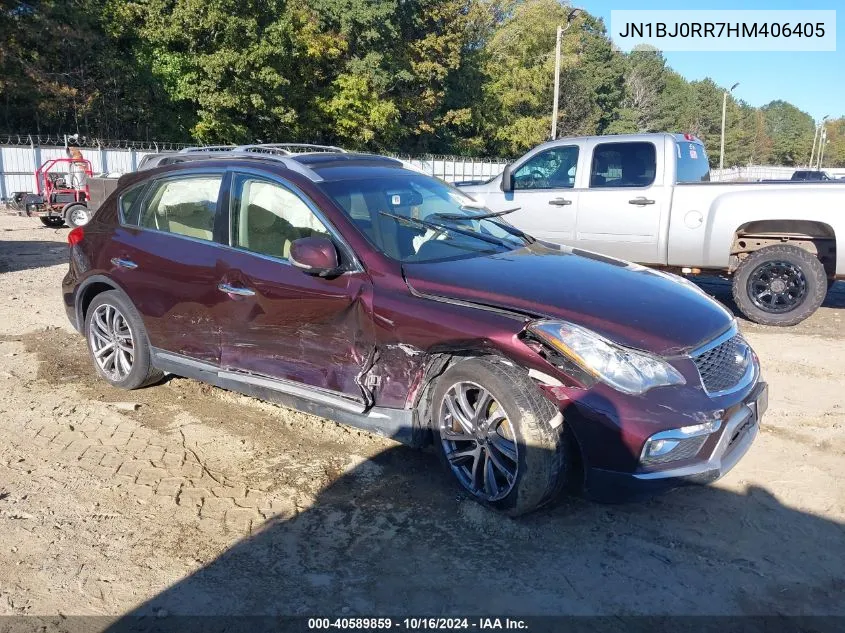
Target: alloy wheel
{"x": 111, "y": 342}
{"x": 777, "y": 286}
{"x": 478, "y": 441}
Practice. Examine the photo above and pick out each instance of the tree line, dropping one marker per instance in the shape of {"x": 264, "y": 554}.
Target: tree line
{"x": 469, "y": 77}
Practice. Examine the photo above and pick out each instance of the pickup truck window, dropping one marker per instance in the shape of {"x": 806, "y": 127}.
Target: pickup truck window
{"x": 550, "y": 169}
{"x": 693, "y": 165}
{"x": 623, "y": 165}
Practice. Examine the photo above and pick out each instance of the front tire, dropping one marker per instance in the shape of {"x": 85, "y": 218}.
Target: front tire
{"x": 117, "y": 342}
{"x": 499, "y": 436}
{"x": 779, "y": 285}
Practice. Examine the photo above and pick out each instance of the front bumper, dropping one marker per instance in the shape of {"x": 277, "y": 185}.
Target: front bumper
{"x": 739, "y": 431}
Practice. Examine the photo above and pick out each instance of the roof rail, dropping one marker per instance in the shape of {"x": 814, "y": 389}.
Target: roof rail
{"x": 287, "y": 149}
{"x": 207, "y": 148}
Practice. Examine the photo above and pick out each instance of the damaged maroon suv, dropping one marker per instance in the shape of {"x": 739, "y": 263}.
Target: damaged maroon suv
{"x": 351, "y": 287}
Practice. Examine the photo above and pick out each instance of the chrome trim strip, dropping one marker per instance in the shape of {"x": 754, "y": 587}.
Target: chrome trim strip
{"x": 183, "y": 360}
{"x": 469, "y": 304}
{"x": 750, "y": 375}
{"x": 337, "y": 401}
{"x": 293, "y": 389}
{"x": 732, "y": 331}
{"x": 292, "y": 188}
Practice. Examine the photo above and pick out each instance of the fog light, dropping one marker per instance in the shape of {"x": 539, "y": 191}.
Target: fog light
{"x": 676, "y": 444}
{"x": 656, "y": 448}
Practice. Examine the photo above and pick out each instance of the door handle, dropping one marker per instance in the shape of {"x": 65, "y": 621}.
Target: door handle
{"x": 641, "y": 201}
{"x": 124, "y": 263}
{"x": 235, "y": 290}
{"x": 560, "y": 202}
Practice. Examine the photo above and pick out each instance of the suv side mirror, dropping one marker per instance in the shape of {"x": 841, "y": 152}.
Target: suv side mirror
{"x": 507, "y": 179}
{"x": 314, "y": 256}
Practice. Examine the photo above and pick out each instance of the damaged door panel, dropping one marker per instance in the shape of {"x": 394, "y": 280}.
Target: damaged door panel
{"x": 297, "y": 327}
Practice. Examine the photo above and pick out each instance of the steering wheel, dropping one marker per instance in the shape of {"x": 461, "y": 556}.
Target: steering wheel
{"x": 532, "y": 180}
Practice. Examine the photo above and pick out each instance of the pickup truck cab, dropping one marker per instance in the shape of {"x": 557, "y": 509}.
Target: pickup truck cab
{"x": 648, "y": 198}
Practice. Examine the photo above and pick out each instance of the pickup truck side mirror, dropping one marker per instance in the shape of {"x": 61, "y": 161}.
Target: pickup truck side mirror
{"x": 507, "y": 180}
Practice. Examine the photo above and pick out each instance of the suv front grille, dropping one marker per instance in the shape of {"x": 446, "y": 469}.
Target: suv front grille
{"x": 723, "y": 366}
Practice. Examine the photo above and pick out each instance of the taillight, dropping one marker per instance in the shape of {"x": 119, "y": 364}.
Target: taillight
{"x": 75, "y": 236}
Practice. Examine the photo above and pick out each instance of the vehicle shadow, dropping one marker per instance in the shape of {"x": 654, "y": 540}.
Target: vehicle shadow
{"x": 394, "y": 538}
{"x": 16, "y": 255}
{"x": 721, "y": 289}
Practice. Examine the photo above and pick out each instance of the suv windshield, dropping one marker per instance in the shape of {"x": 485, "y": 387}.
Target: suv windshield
{"x": 416, "y": 218}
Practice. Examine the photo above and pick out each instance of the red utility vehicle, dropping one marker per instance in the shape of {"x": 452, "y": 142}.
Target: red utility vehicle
{"x": 62, "y": 193}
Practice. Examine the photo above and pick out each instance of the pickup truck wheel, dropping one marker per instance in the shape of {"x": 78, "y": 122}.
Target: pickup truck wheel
{"x": 53, "y": 221}
{"x": 779, "y": 285}
{"x": 496, "y": 434}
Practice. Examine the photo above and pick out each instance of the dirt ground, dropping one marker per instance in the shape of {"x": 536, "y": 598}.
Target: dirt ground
{"x": 183, "y": 498}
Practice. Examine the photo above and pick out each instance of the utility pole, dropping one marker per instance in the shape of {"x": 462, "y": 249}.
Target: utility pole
{"x": 557, "y": 83}
{"x": 813, "y": 151}
{"x": 815, "y": 137}
{"x": 560, "y": 31}
{"x": 724, "y": 111}
{"x": 822, "y": 144}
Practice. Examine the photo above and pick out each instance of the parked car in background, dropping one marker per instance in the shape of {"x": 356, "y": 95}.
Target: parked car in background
{"x": 348, "y": 286}
{"x": 647, "y": 198}
{"x": 811, "y": 175}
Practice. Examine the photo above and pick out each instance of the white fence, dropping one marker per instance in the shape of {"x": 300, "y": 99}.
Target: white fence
{"x": 18, "y": 164}
{"x": 763, "y": 172}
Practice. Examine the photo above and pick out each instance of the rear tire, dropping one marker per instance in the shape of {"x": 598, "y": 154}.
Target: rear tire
{"x": 52, "y": 221}
{"x": 117, "y": 342}
{"x": 779, "y": 285}
{"x": 77, "y": 215}
{"x": 500, "y": 438}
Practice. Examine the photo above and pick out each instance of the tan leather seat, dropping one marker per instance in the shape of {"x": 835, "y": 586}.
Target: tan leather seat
{"x": 193, "y": 219}
{"x": 269, "y": 234}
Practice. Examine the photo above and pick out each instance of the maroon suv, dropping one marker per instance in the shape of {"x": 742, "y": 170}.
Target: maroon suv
{"x": 353, "y": 288}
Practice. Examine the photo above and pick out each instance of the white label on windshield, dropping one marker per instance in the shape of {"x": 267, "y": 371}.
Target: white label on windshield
{"x": 692, "y": 152}
{"x": 396, "y": 200}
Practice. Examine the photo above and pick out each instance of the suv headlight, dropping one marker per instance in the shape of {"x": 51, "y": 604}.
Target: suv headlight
{"x": 623, "y": 369}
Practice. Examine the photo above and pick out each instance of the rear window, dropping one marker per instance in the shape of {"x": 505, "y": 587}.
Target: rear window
{"x": 693, "y": 165}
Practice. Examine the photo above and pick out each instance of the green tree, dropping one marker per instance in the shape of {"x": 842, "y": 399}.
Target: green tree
{"x": 791, "y": 131}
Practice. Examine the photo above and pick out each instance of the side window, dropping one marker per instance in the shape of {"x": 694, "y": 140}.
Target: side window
{"x": 623, "y": 165}
{"x": 551, "y": 169}
{"x": 184, "y": 206}
{"x": 267, "y": 217}
{"x": 129, "y": 210}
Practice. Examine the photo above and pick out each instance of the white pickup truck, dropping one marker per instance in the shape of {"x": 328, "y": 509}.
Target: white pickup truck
{"x": 648, "y": 198}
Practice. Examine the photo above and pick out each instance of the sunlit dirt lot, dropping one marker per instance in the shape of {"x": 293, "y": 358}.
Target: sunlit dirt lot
{"x": 183, "y": 498}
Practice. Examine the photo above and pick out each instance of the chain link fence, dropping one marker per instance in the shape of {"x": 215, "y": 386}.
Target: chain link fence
{"x": 22, "y": 154}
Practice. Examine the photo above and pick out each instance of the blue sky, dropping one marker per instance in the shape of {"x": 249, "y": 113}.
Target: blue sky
{"x": 813, "y": 81}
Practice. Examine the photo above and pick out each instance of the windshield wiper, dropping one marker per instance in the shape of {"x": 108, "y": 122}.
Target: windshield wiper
{"x": 445, "y": 227}
{"x": 477, "y": 216}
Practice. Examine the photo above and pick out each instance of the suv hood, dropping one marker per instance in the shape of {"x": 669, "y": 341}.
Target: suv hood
{"x": 626, "y": 303}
